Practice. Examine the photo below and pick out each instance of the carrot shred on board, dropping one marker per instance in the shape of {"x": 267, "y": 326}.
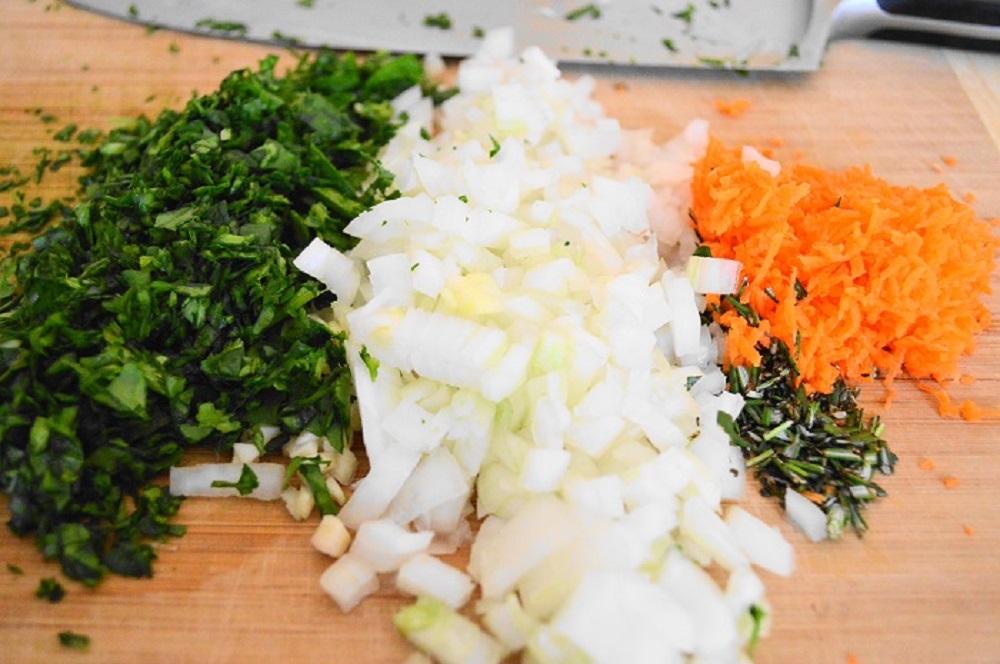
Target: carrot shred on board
{"x": 869, "y": 277}
{"x": 851, "y": 659}
{"x": 969, "y": 530}
{"x": 949, "y": 161}
{"x": 926, "y": 464}
{"x": 950, "y": 482}
{"x": 969, "y": 197}
{"x": 734, "y": 108}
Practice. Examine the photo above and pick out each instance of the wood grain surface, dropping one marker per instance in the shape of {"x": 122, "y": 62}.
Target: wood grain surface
{"x": 241, "y": 586}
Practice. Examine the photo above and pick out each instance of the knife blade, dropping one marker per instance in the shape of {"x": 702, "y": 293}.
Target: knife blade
{"x": 785, "y": 35}
{"x": 765, "y": 35}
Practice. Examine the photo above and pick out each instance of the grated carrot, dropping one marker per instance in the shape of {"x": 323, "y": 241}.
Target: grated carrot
{"x": 969, "y": 530}
{"x": 851, "y": 659}
{"x": 926, "y": 464}
{"x": 733, "y": 109}
{"x": 969, "y": 197}
{"x": 949, "y": 161}
{"x": 950, "y": 482}
{"x": 894, "y": 276}
{"x": 967, "y": 379}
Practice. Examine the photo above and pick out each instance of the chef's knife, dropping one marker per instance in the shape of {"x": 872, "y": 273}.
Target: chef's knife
{"x": 782, "y": 35}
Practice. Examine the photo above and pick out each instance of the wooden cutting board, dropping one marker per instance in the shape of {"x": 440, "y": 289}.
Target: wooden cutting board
{"x": 241, "y": 586}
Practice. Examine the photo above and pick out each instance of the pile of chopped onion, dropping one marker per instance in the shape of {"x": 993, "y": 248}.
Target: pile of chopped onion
{"x": 516, "y": 336}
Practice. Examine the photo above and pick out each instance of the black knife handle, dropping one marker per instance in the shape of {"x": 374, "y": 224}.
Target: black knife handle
{"x": 966, "y": 24}
{"x": 980, "y": 12}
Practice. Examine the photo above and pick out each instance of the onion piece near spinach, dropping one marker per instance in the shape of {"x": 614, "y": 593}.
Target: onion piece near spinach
{"x": 163, "y": 311}
{"x": 818, "y": 445}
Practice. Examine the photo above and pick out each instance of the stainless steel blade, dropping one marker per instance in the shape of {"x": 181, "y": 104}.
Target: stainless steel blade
{"x": 782, "y": 35}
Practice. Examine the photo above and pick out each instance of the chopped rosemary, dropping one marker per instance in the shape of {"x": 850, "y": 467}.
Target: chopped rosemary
{"x": 817, "y": 444}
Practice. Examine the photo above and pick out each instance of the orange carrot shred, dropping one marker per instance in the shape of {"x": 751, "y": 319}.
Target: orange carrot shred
{"x": 949, "y": 161}
{"x": 973, "y": 412}
{"x": 969, "y": 530}
{"x": 969, "y": 197}
{"x": 893, "y": 277}
{"x": 966, "y": 379}
{"x": 733, "y": 109}
{"x": 926, "y": 464}
{"x": 817, "y": 498}
{"x": 851, "y": 659}
{"x": 950, "y": 482}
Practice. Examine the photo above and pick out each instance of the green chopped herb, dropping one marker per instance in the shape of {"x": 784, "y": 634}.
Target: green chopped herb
{"x": 441, "y": 21}
{"x": 311, "y": 472}
{"x": 133, "y": 11}
{"x": 245, "y": 485}
{"x": 174, "y": 47}
{"x": 282, "y": 38}
{"x": 370, "y": 361}
{"x": 162, "y": 309}
{"x": 308, "y": 4}
{"x": 50, "y": 590}
{"x": 478, "y": 32}
{"x": 74, "y": 640}
{"x": 686, "y": 15}
{"x": 793, "y": 51}
{"x": 589, "y": 11}
{"x": 228, "y": 27}
{"x": 669, "y": 45}
{"x": 14, "y": 569}
{"x": 758, "y": 615}
{"x": 495, "y": 147}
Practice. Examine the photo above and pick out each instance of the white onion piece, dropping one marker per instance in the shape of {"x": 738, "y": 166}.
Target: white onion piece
{"x": 763, "y": 544}
{"x": 713, "y": 275}
{"x": 349, "y": 580}
{"x": 806, "y": 515}
{"x": 426, "y": 575}
{"x": 385, "y": 545}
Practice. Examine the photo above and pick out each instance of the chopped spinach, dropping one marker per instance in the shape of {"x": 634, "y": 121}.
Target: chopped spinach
{"x": 163, "y": 310}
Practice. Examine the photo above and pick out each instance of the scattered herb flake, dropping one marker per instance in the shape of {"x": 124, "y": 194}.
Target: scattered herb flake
{"x": 14, "y": 569}
{"x": 441, "y": 21}
{"x": 50, "y": 590}
{"x": 586, "y": 11}
{"x": 74, "y": 640}
{"x": 228, "y": 27}
{"x": 669, "y": 45}
{"x": 495, "y": 146}
{"x": 686, "y": 15}
{"x": 370, "y": 361}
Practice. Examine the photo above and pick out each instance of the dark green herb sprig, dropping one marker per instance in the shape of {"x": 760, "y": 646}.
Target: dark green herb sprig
{"x": 821, "y": 445}
{"x": 164, "y": 311}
